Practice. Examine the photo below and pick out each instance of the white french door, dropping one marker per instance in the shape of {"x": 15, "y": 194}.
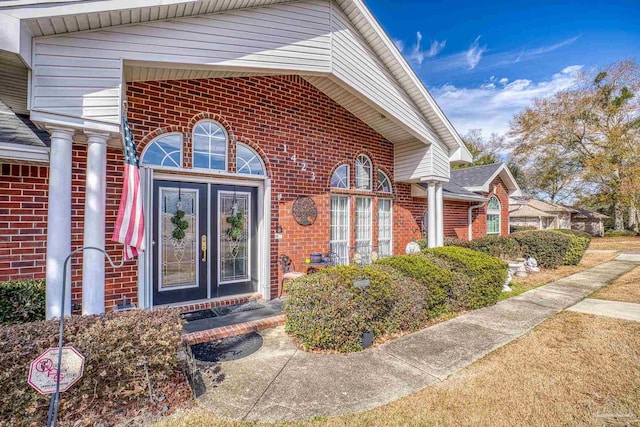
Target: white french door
{"x": 339, "y": 239}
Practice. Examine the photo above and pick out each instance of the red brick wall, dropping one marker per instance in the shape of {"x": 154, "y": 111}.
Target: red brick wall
{"x": 23, "y": 221}
{"x": 456, "y": 222}
{"x": 498, "y": 189}
{"x": 268, "y": 112}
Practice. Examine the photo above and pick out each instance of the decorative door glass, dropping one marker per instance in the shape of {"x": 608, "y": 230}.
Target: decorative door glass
{"x": 234, "y": 237}
{"x": 339, "y": 239}
{"x": 363, "y": 227}
{"x": 384, "y": 227}
{"x": 178, "y": 238}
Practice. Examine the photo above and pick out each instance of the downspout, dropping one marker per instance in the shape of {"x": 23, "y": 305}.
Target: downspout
{"x": 470, "y": 217}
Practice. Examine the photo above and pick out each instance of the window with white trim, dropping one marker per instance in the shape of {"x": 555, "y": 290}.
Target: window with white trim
{"x": 384, "y": 183}
{"x": 339, "y": 238}
{"x": 385, "y": 226}
{"x": 164, "y": 151}
{"x": 363, "y": 172}
{"x": 248, "y": 162}
{"x": 364, "y": 225}
{"x": 493, "y": 216}
{"x": 210, "y": 141}
{"x": 340, "y": 177}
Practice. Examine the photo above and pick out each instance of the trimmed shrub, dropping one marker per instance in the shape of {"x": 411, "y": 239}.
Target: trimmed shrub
{"x": 325, "y": 311}
{"x": 480, "y": 276}
{"x": 410, "y": 310}
{"x": 22, "y": 301}
{"x": 576, "y": 250}
{"x": 498, "y": 246}
{"x": 454, "y": 241}
{"x": 578, "y": 233}
{"x": 435, "y": 281}
{"x": 548, "y": 248}
{"x": 114, "y": 345}
{"x": 619, "y": 233}
{"x": 516, "y": 228}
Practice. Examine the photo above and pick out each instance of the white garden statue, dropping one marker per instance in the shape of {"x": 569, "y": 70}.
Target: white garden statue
{"x": 531, "y": 265}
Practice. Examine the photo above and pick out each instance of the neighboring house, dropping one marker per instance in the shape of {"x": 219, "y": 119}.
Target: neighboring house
{"x": 590, "y": 221}
{"x": 477, "y": 201}
{"x": 526, "y": 212}
{"x": 303, "y": 116}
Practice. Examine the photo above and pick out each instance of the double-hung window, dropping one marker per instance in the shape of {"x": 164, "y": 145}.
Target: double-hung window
{"x": 384, "y": 227}
{"x": 493, "y": 216}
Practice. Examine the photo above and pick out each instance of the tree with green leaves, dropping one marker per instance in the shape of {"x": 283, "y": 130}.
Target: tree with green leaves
{"x": 586, "y": 137}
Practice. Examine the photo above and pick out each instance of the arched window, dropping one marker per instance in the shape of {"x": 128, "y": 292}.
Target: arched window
{"x": 363, "y": 172}
{"x": 248, "y": 162}
{"x": 165, "y": 151}
{"x": 340, "y": 178}
{"x": 210, "y": 142}
{"x": 493, "y": 216}
{"x": 384, "y": 183}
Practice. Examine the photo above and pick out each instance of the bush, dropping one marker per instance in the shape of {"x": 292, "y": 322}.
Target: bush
{"x": 326, "y": 311}
{"x": 516, "y": 228}
{"x": 577, "y": 248}
{"x": 548, "y": 248}
{"x": 498, "y": 246}
{"x": 22, "y": 301}
{"x": 619, "y": 233}
{"x": 480, "y": 276}
{"x": 578, "y": 233}
{"x": 436, "y": 282}
{"x": 113, "y": 345}
{"x": 454, "y": 241}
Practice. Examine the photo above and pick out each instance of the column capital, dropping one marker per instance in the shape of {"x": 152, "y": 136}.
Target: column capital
{"x": 96, "y": 137}
{"x": 61, "y": 132}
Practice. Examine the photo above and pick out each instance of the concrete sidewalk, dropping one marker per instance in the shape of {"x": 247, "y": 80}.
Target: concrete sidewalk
{"x": 279, "y": 382}
{"x": 601, "y": 307}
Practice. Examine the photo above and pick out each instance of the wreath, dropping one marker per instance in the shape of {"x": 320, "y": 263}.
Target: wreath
{"x": 180, "y": 224}
{"x": 237, "y": 225}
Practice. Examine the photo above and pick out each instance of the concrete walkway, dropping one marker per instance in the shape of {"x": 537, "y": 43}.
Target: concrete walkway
{"x": 279, "y": 382}
{"x": 600, "y": 307}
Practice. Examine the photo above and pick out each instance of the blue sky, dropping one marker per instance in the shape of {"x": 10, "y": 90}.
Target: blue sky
{"x": 485, "y": 61}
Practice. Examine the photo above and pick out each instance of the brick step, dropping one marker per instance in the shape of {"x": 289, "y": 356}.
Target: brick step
{"x": 233, "y": 330}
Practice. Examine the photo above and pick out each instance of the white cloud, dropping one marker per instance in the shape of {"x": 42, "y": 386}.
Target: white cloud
{"x": 490, "y": 107}
{"x": 506, "y": 58}
{"x": 474, "y": 53}
{"x": 417, "y": 55}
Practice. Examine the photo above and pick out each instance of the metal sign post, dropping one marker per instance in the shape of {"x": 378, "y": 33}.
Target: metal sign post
{"x": 54, "y": 404}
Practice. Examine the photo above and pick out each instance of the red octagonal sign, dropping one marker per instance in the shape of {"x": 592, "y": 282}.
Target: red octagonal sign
{"x": 43, "y": 370}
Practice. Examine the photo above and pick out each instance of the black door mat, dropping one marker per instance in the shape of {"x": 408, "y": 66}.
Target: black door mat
{"x": 227, "y": 349}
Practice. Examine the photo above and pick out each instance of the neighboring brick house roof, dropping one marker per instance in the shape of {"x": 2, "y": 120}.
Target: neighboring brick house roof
{"x": 583, "y": 213}
{"x": 18, "y": 129}
{"x": 549, "y": 207}
{"x": 526, "y": 211}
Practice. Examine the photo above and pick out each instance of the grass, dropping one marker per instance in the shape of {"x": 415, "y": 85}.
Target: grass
{"x": 573, "y": 369}
{"x": 523, "y": 284}
{"x": 615, "y": 243}
{"x": 626, "y": 288}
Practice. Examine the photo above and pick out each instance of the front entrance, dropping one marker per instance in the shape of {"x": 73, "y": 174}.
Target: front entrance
{"x": 204, "y": 241}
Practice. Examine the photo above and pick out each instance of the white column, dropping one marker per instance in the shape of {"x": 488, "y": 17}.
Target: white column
{"x": 431, "y": 215}
{"x": 94, "y": 213}
{"x": 59, "y": 222}
{"x": 439, "y": 215}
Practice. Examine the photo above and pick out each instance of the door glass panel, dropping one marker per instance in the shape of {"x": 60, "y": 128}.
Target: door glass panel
{"x": 178, "y": 256}
{"x": 234, "y": 237}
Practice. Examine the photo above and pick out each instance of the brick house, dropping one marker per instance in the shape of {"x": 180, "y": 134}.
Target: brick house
{"x": 302, "y": 116}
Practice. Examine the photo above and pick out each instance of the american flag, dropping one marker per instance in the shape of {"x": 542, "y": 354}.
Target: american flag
{"x": 130, "y": 223}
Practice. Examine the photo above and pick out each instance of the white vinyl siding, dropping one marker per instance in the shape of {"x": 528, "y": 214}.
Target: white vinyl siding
{"x": 414, "y": 160}
{"x": 385, "y": 227}
{"x": 339, "y": 239}
{"x": 79, "y": 74}
{"x": 364, "y": 225}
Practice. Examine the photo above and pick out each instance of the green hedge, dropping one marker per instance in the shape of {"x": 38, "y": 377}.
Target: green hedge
{"x": 498, "y": 246}
{"x": 325, "y": 311}
{"x": 577, "y": 248}
{"x": 516, "y": 228}
{"x": 548, "y": 248}
{"x": 480, "y": 276}
{"x": 113, "y": 345}
{"x": 578, "y": 233}
{"x": 22, "y": 301}
{"x": 618, "y": 233}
